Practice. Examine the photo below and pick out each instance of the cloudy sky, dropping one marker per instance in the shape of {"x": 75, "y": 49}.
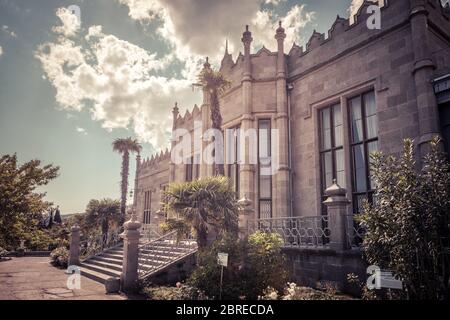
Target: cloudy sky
{"x": 68, "y": 87}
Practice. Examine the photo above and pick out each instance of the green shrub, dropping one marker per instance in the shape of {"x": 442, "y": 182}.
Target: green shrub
{"x": 3, "y": 253}
{"x": 179, "y": 292}
{"x": 60, "y": 257}
{"x": 253, "y": 265}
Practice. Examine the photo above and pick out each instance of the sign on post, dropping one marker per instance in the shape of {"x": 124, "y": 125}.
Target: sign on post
{"x": 222, "y": 259}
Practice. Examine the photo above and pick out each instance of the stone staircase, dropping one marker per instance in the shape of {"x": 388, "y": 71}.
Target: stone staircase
{"x": 155, "y": 257}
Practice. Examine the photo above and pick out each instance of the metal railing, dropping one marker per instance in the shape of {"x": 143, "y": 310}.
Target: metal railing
{"x": 160, "y": 252}
{"x": 296, "y": 231}
{"x": 354, "y": 230}
{"x": 96, "y": 244}
{"x": 150, "y": 232}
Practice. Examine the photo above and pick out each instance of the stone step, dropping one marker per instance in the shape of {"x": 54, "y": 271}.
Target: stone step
{"x": 96, "y": 268}
{"x": 114, "y": 261}
{"x": 115, "y": 256}
{"x": 94, "y": 275}
{"x": 106, "y": 265}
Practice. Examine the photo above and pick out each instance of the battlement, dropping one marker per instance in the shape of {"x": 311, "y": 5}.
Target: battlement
{"x": 155, "y": 160}
{"x": 187, "y": 121}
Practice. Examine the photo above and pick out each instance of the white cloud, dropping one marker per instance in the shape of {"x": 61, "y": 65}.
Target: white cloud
{"x": 81, "y": 130}
{"x": 70, "y": 23}
{"x": 7, "y": 30}
{"x": 199, "y": 28}
{"x": 118, "y": 81}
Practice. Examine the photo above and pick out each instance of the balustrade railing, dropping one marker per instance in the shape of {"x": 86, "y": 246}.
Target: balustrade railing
{"x": 296, "y": 231}
{"x": 158, "y": 253}
{"x": 354, "y": 230}
{"x": 95, "y": 244}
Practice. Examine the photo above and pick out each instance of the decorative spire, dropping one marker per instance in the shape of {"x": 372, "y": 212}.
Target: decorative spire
{"x": 226, "y": 47}
{"x": 247, "y": 36}
{"x": 206, "y": 65}
{"x": 280, "y": 35}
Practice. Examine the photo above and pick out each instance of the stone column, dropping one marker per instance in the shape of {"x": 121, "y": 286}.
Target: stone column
{"x": 280, "y": 148}
{"x": 131, "y": 235}
{"x": 74, "y": 253}
{"x": 247, "y": 168}
{"x": 337, "y": 203}
{"x": 427, "y": 108}
{"x": 245, "y": 212}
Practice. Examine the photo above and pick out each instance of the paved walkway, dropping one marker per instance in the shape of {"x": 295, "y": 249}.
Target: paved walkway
{"x": 34, "y": 278}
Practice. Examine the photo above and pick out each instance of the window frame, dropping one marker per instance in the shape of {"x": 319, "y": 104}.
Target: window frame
{"x": 265, "y": 199}
{"x": 147, "y": 207}
{"x": 369, "y": 192}
{"x": 332, "y": 149}
{"x": 236, "y": 160}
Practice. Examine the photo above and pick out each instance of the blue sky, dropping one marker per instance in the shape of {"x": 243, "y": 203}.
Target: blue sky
{"x": 68, "y": 89}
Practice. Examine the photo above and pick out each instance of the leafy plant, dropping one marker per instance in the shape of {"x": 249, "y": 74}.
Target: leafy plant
{"x": 60, "y": 257}
{"x": 103, "y": 213}
{"x": 21, "y": 206}
{"x": 201, "y": 205}
{"x": 124, "y": 147}
{"x": 408, "y": 225}
{"x": 253, "y": 265}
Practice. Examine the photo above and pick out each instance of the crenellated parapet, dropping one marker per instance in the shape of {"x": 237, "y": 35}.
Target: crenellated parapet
{"x": 187, "y": 121}
{"x": 344, "y": 36}
{"x": 156, "y": 162}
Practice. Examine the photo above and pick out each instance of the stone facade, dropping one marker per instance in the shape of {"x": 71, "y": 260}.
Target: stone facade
{"x": 397, "y": 63}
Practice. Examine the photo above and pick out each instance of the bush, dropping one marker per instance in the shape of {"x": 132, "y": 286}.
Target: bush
{"x": 180, "y": 292}
{"x": 60, "y": 257}
{"x": 294, "y": 292}
{"x": 3, "y": 253}
{"x": 253, "y": 265}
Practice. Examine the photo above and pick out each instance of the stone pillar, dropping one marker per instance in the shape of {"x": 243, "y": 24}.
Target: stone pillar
{"x": 74, "y": 253}
{"x": 427, "y": 108}
{"x": 247, "y": 168}
{"x": 281, "y": 148}
{"x": 131, "y": 235}
{"x": 245, "y": 212}
{"x": 205, "y": 169}
{"x": 337, "y": 203}
{"x": 175, "y": 113}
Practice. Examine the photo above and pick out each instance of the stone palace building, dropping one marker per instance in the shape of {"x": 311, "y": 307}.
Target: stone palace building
{"x": 333, "y": 102}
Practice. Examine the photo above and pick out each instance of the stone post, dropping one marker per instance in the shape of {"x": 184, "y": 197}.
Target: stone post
{"x": 337, "y": 203}
{"x": 130, "y": 236}
{"x": 74, "y": 253}
{"x": 245, "y": 211}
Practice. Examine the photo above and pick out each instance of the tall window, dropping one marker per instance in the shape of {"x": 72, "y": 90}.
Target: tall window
{"x": 147, "y": 206}
{"x": 264, "y": 169}
{"x": 331, "y": 148}
{"x": 234, "y": 156}
{"x": 364, "y": 141}
{"x": 189, "y": 169}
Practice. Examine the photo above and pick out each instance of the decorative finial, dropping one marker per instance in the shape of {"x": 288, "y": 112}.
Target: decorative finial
{"x": 226, "y": 46}
{"x": 246, "y": 27}
{"x": 279, "y": 23}
{"x": 206, "y": 64}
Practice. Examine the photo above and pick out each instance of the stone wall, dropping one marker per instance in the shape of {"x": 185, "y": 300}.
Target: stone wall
{"x": 311, "y": 267}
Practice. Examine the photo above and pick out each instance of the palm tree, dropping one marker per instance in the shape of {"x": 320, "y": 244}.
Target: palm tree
{"x": 103, "y": 213}
{"x": 201, "y": 204}
{"x": 214, "y": 83}
{"x": 125, "y": 146}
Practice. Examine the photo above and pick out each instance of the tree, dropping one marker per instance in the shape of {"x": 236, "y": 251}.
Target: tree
{"x": 408, "y": 225}
{"x": 215, "y": 84}
{"x": 124, "y": 147}
{"x": 200, "y": 205}
{"x": 20, "y": 205}
{"x": 57, "y": 217}
{"x": 103, "y": 213}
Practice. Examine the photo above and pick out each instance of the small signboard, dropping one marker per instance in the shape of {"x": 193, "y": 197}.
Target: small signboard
{"x": 222, "y": 259}
{"x": 388, "y": 281}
